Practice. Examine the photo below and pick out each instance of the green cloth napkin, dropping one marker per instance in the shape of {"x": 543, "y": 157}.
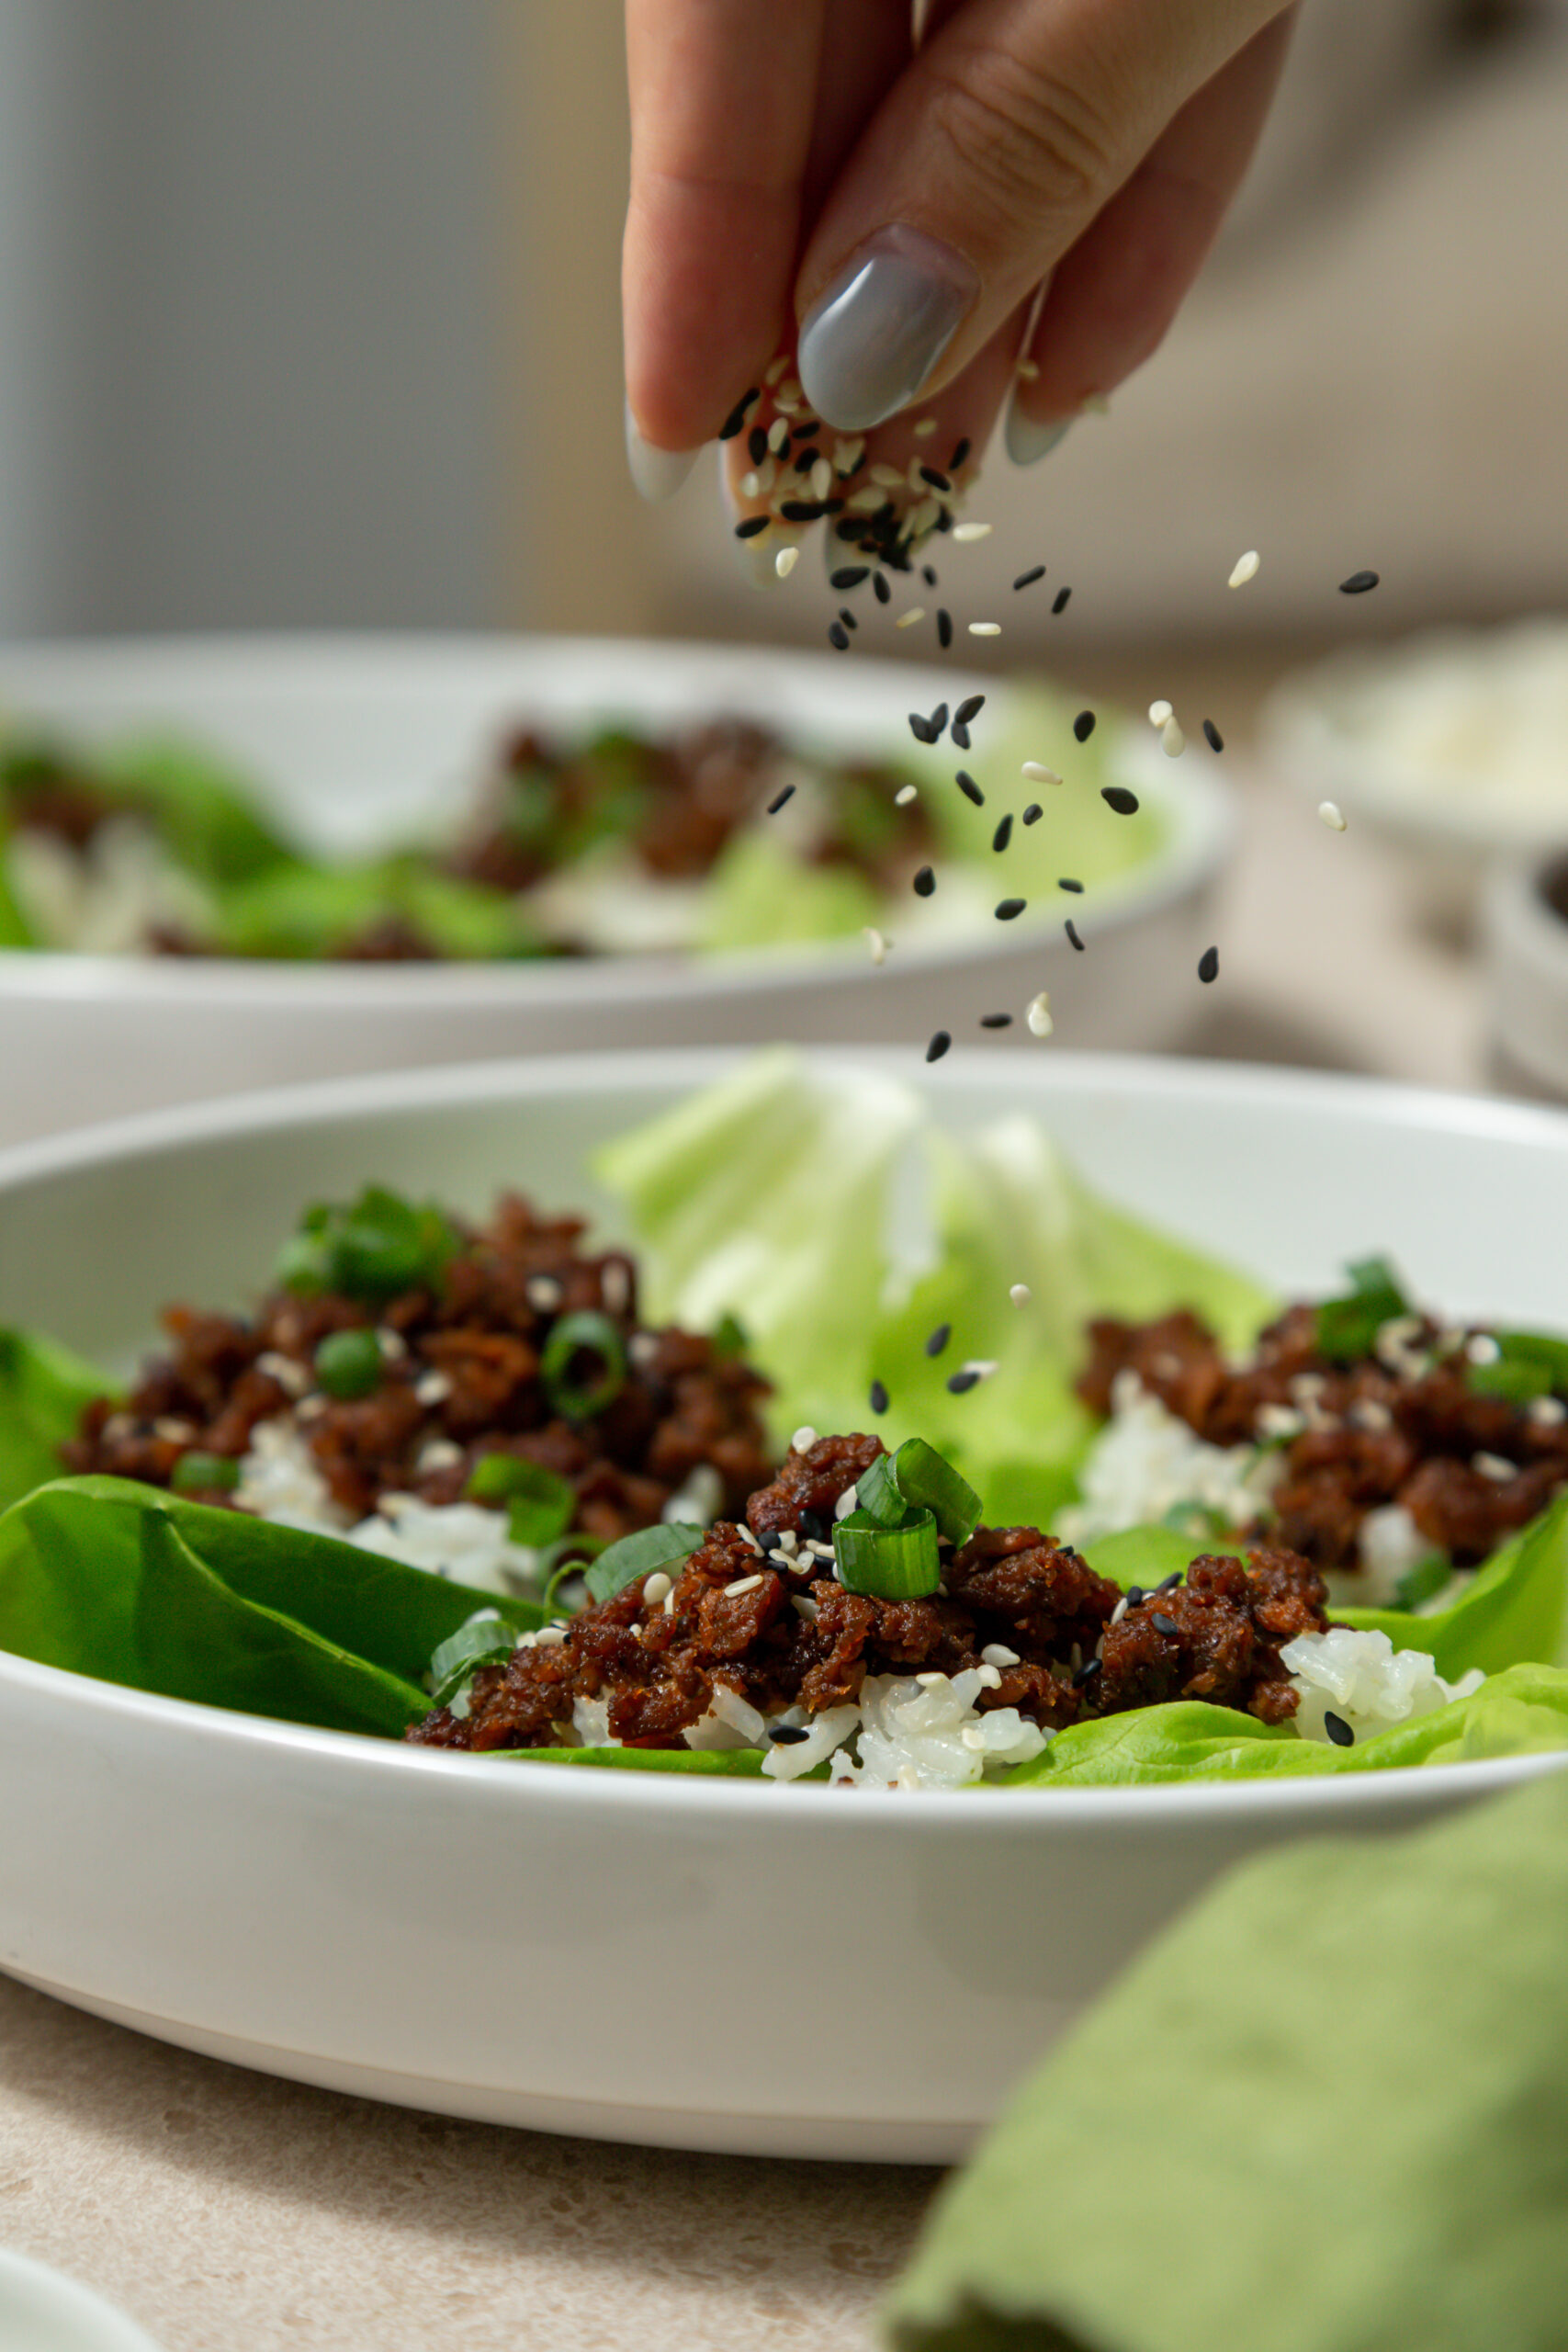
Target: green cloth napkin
{"x": 1326, "y": 2113}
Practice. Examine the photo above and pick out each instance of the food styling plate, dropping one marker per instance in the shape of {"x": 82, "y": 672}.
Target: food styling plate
{"x": 804, "y": 1970}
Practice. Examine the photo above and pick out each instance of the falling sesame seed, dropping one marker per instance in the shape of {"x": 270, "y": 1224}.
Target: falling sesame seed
{"x": 969, "y": 788}
{"x": 821, "y": 479}
{"x": 985, "y": 628}
{"x": 1212, "y": 737}
{"x": 839, "y": 636}
{"x": 961, "y": 1383}
{"x": 757, "y": 444}
{"x": 878, "y": 1397}
{"x": 1117, "y": 797}
{"x": 752, "y": 526}
{"x": 905, "y": 794}
{"x": 960, "y": 451}
{"x": 775, "y": 367}
{"x": 1020, "y": 1294}
{"x": 938, "y": 481}
{"x": 887, "y": 477}
{"x": 777, "y": 802}
{"x": 1027, "y": 579}
{"x": 1333, "y": 817}
{"x": 1068, "y": 882}
{"x": 802, "y": 510}
{"x": 848, "y": 575}
{"x": 1339, "y": 1730}
{"x": 1034, "y": 813}
{"x": 928, "y": 573}
{"x": 1038, "y": 1016}
{"x": 1060, "y": 604}
{"x": 939, "y": 1339}
{"x": 778, "y": 435}
{"x": 1208, "y": 963}
{"x": 938, "y": 721}
{"x": 944, "y": 630}
{"x": 970, "y": 708}
{"x": 960, "y": 734}
{"x": 1358, "y": 583}
{"x": 751, "y": 485}
{"x": 1160, "y": 712}
{"x": 926, "y": 517}
{"x": 1073, "y": 939}
{"x": 940, "y": 1040}
{"x": 848, "y": 617}
{"x": 1244, "y": 569}
{"x": 1172, "y": 741}
{"x": 789, "y": 393}
{"x": 966, "y": 534}
{"x": 1083, "y": 726}
{"x": 883, "y": 594}
{"x": 925, "y": 428}
{"x": 995, "y": 1021}
{"x": 875, "y": 942}
{"x": 908, "y": 620}
{"x": 1008, "y": 908}
{"x": 920, "y": 728}
{"x": 785, "y": 562}
{"x": 1036, "y": 773}
{"x": 735, "y": 423}
{"x": 1003, "y": 834}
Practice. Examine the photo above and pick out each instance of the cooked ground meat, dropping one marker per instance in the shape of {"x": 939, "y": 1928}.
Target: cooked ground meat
{"x": 792, "y": 1636}
{"x": 459, "y": 1379}
{"x": 1401, "y": 1426}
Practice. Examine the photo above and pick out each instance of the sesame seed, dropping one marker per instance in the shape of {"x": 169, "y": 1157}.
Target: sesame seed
{"x": 803, "y": 1606}
{"x": 920, "y": 728}
{"x": 804, "y": 1439}
{"x": 847, "y": 455}
{"x": 1164, "y": 1625}
{"x": 734, "y": 423}
{"x": 995, "y": 1021}
{"x": 1008, "y": 909}
{"x": 1038, "y": 1015}
{"x": 752, "y": 527}
{"x": 741, "y": 1583}
{"x": 960, "y": 734}
{"x": 1208, "y": 963}
{"x": 878, "y": 1397}
{"x": 1547, "y": 1412}
{"x": 970, "y": 708}
{"x": 961, "y": 1383}
{"x": 1034, "y": 813}
{"x": 882, "y": 591}
{"x": 654, "y": 1587}
{"x": 1212, "y": 737}
{"x": 1495, "y": 1466}
{"x": 789, "y": 393}
{"x": 1121, "y": 1610}
{"x": 925, "y": 883}
{"x": 433, "y": 1388}
{"x": 757, "y": 444}
{"x": 1358, "y": 583}
{"x": 848, "y": 617}
{"x": 944, "y": 630}
{"x": 990, "y": 1679}
{"x": 924, "y": 518}
{"x": 905, "y": 794}
{"x": 1173, "y": 742}
{"x": 967, "y": 533}
{"x": 788, "y": 1735}
{"x": 775, "y": 369}
{"x": 847, "y": 1502}
{"x": 1020, "y": 1294}
{"x": 969, "y": 788}
{"x": 1061, "y": 603}
{"x": 821, "y": 479}
{"x": 908, "y": 620}
{"x": 1083, "y": 726}
{"x": 887, "y": 477}
{"x": 1087, "y": 1672}
{"x": 1369, "y": 1413}
{"x": 1003, "y": 834}
{"x": 848, "y": 575}
{"x": 802, "y": 510}
{"x": 877, "y": 942}
{"x": 752, "y": 484}
{"x": 1332, "y": 816}
{"x": 938, "y": 721}
{"x": 939, "y": 1339}
{"x": 1028, "y": 369}
{"x": 778, "y": 435}
{"x": 1067, "y": 882}
{"x": 549, "y": 1637}
{"x": 1037, "y": 774}
{"x": 928, "y": 573}
{"x": 940, "y": 1040}
{"x": 1134, "y": 1595}
{"x": 1160, "y": 712}
{"x": 999, "y": 1653}
{"x": 960, "y": 452}
{"x": 937, "y": 481}
{"x": 985, "y": 628}
{"x": 925, "y": 428}
{"x": 1244, "y": 569}
{"x": 1073, "y": 939}
{"x": 1117, "y": 797}
{"x": 779, "y": 798}
{"x": 1339, "y": 1730}
{"x": 746, "y": 1532}
{"x": 1027, "y": 579}
{"x": 785, "y": 562}
{"x": 839, "y": 636}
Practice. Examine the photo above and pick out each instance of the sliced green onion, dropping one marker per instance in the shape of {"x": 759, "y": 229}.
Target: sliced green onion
{"x": 486, "y": 1639}
{"x": 196, "y": 1474}
{"x": 918, "y": 1478}
{"x": 369, "y": 1248}
{"x": 562, "y": 1560}
{"x": 586, "y": 1333}
{"x": 729, "y": 1337}
{"x": 1348, "y": 1328}
{"x": 890, "y": 1562}
{"x": 639, "y": 1554}
{"x": 348, "y": 1365}
{"x": 1421, "y": 1582}
{"x": 539, "y": 1502}
{"x": 1528, "y": 1365}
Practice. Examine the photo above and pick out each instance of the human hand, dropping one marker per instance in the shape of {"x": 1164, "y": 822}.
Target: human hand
{"x": 817, "y": 199}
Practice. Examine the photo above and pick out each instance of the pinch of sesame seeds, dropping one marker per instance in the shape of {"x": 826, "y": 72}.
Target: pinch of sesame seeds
{"x": 1212, "y": 737}
{"x": 1332, "y": 816}
{"x": 1003, "y": 834}
{"x": 1036, "y": 772}
{"x": 916, "y": 614}
{"x": 875, "y": 942}
{"x": 1117, "y": 797}
{"x": 779, "y": 798}
{"x": 880, "y": 589}
{"x": 752, "y": 527}
{"x": 924, "y": 883}
{"x": 1008, "y": 910}
{"x": 1060, "y": 603}
{"x": 1038, "y": 1015}
{"x": 940, "y": 1040}
{"x": 877, "y": 1397}
{"x": 995, "y": 1021}
{"x": 1172, "y": 741}
{"x": 1208, "y": 963}
{"x": 969, "y": 788}
{"x": 1358, "y": 583}
{"x": 1495, "y": 1466}
{"x": 1244, "y": 569}
{"x": 943, "y": 630}
{"x": 654, "y": 1587}
{"x": 1083, "y": 726}
{"x": 785, "y": 562}
{"x": 433, "y": 1388}
{"x": 1339, "y": 1730}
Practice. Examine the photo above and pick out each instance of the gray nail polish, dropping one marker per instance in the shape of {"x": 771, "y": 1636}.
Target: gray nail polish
{"x": 870, "y": 343}
{"x": 1030, "y": 438}
{"x": 657, "y": 474}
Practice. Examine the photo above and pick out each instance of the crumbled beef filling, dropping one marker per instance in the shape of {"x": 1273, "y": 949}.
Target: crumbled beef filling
{"x": 1406, "y": 1430}
{"x": 684, "y": 1403}
{"x": 656, "y": 1663}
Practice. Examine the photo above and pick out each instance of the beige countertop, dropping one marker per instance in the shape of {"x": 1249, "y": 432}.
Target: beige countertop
{"x": 227, "y": 2211}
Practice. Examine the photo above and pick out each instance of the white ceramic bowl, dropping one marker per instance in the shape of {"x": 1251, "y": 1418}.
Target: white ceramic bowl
{"x": 42, "y": 2310}
{"x": 360, "y": 740}
{"x": 801, "y": 1971}
{"x": 1525, "y": 944}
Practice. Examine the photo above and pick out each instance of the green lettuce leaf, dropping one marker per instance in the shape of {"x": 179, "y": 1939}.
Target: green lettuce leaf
{"x": 1515, "y": 1608}
{"x": 298, "y": 909}
{"x": 760, "y": 894}
{"x": 43, "y": 1390}
{"x": 208, "y": 815}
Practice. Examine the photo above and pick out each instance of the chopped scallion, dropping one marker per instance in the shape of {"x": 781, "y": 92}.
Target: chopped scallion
{"x": 1348, "y": 1328}
{"x": 348, "y": 1365}
{"x": 571, "y": 1391}
{"x": 897, "y": 1562}
{"x": 539, "y": 1502}
{"x": 639, "y": 1554}
{"x": 918, "y": 1478}
{"x": 485, "y": 1640}
{"x": 1527, "y": 1365}
{"x": 198, "y": 1474}
{"x": 370, "y": 1248}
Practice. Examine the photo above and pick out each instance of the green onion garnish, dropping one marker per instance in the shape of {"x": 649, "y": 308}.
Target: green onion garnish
{"x": 539, "y": 1502}
{"x": 196, "y": 1473}
{"x": 567, "y": 1558}
{"x": 485, "y": 1640}
{"x": 918, "y": 1478}
{"x": 1419, "y": 1583}
{"x": 348, "y": 1364}
{"x": 639, "y": 1554}
{"x": 1528, "y": 1365}
{"x": 370, "y": 1248}
{"x": 572, "y": 1393}
{"x": 1348, "y": 1328}
{"x": 890, "y": 1562}
{"x": 729, "y": 1337}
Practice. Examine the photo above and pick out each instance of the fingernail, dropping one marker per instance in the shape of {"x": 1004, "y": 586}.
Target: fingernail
{"x": 656, "y": 473}
{"x": 870, "y": 341}
{"x": 1029, "y": 438}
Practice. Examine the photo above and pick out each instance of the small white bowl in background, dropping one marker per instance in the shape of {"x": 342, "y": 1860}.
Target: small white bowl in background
{"x": 360, "y": 740}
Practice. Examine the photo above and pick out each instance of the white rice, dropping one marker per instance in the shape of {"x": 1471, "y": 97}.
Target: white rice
{"x": 1389, "y": 1544}
{"x": 1147, "y": 1464}
{"x": 279, "y": 1480}
{"x": 463, "y": 1541}
{"x": 1365, "y": 1682}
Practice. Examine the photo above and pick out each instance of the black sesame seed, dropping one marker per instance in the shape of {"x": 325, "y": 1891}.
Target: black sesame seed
{"x": 802, "y": 510}
{"x": 995, "y": 1021}
{"x": 1169, "y": 1583}
{"x": 848, "y": 575}
{"x": 925, "y": 883}
{"x": 961, "y": 1383}
{"x": 969, "y": 788}
{"x": 848, "y": 617}
{"x": 960, "y": 734}
{"x": 751, "y": 527}
{"x": 1208, "y": 963}
{"x": 1087, "y": 1672}
{"x": 938, "y": 721}
{"x": 937, "y": 480}
{"x": 940, "y": 1040}
{"x": 1358, "y": 585}
{"x": 1117, "y": 797}
{"x": 970, "y": 708}
{"x": 788, "y": 1735}
{"x": 920, "y": 728}
{"x": 928, "y": 573}
{"x": 1008, "y": 908}
{"x": 1065, "y": 882}
{"x": 1083, "y": 726}
{"x": 1134, "y": 1595}
{"x": 1003, "y": 834}
{"x": 1212, "y": 737}
{"x": 960, "y": 451}
{"x": 1339, "y": 1730}
{"x": 839, "y": 636}
{"x": 813, "y": 1526}
{"x": 850, "y": 530}
{"x": 736, "y": 420}
{"x": 1071, "y": 930}
{"x": 807, "y": 430}
{"x": 943, "y": 629}
{"x": 1034, "y": 813}
{"x": 1061, "y": 603}
{"x": 883, "y": 594}
{"x": 757, "y": 444}
{"x": 1164, "y": 1625}
{"x": 777, "y": 802}
{"x": 878, "y": 1397}
{"x": 939, "y": 1339}
{"x": 1027, "y": 579}
{"x": 804, "y": 459}
{"x": 944, "y": 520}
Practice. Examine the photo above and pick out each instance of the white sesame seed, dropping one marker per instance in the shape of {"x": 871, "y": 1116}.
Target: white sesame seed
{"x": 290, "y": 1376}
{"x": 654, "y": 1588}
{"x": 433, "y": 1388}
{"x": 437, "y": 1453}
{"x": 791, "y": 391}
{"x": 776, "y": 368}
{"x": 929, "y": 1681}
{"x": 1370, "y": 1413}
{"x": 1245, "y": 569}
{"x": 1333, "y": 817}
{"x": 887, "y": 477}
{"x": 172, "y": 1430}
{"x": 778, "y": 435}
{"x": 990, "y": 1679}
{"x": 117, "y": 1426}
{"x": 1120, "y": 1611}
{"x": 615, "y": 1286}
{"x": 875, "y": 942}
{"x": 1038, "y": 1015}
{"x": 967, "y": 533}
{"x": 804, "y": 1439}
{"x": 1494, "y": 1466}
{"x": 741, "y": 1583}
{"x": 1029, "y": 369}
{"x": 548, "y": 1637}
{"x": 1278, "y": 1420}
{"x": 1547, "y": 1412}
{"x": 787, "y": 403}
{"x": 751, "y": 1539}
{"x": 985, "y": 628}
{"x": 544, "y": 1292}
{"x": 818, "y": 1551}
{"x": 1036, "y": 773}
{"x": 925, "y": 517}
{"x": 999, "y": 1653}
{"x": 847, "y": 455}
{"x": 788, "y": 1539}
{"x": 864, "y": 501}
{"x": 846, "y": 1503}
{"x": 821, "y": 479}
{"x": 785, "y": 562}
{"x": 914, "y": 477}
{"x": 1482, "y": 1349}
{"x": 1020, "y": 1294}
{"x": 1158, "y": 713}
{"x": 670, "y": 1603}
{"x": 803, "y": 1606}
{"x": 1172, "y": 741}
{"x": 908, "y": 620}
{"x": 981, "y": 1366}
{"x": 643, "y": 1347}
{"x": 925, "y": 428}
{"x": 310, "y": 1408}
{"x": 752, "y": 484}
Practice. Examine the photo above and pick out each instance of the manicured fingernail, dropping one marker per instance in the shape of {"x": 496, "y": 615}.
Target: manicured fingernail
{"x": 656, "y": 473}
{"x": 1029, "y": 438}
{"x": 870, "y": 341}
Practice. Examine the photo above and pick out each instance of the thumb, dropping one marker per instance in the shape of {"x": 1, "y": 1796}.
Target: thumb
{"x": 998, "y": 144}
